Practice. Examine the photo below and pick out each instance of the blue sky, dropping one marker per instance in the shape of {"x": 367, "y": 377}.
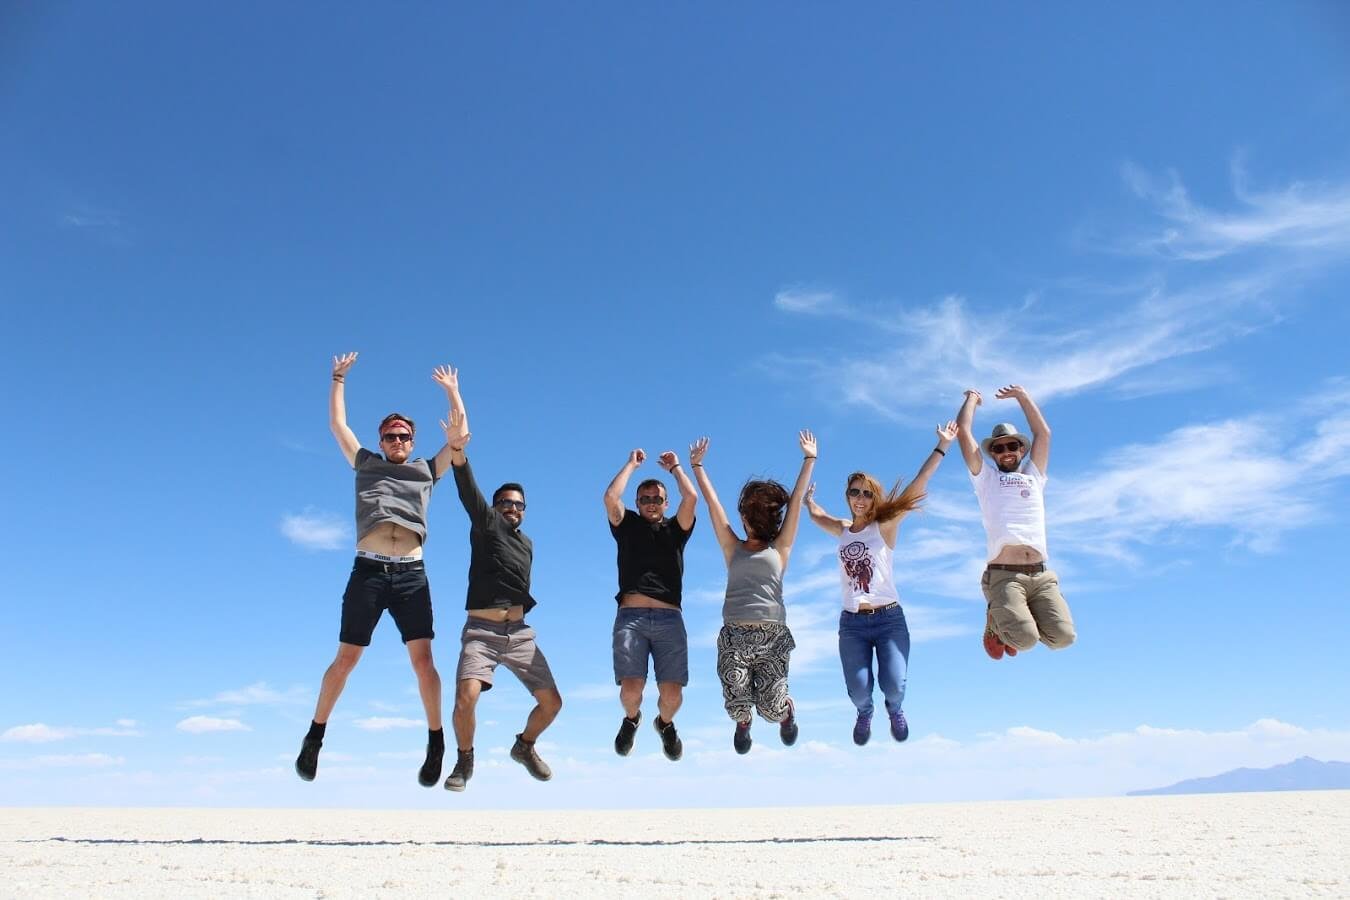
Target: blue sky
{"x": 632, "y": 226}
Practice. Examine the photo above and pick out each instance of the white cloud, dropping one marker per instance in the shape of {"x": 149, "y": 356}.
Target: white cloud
{"x": 316, "y": 530}
{"x": 64, "y": 761}
{"x": 384, "y": 723}
{"x": 1298, "y": 217}
{"x": 1192, "y": 477}
{"x": 806, "y": 301}
{"x": 40, "y": 733}
{"x": 210, "y": 724}
{"x": 256, "y": 694}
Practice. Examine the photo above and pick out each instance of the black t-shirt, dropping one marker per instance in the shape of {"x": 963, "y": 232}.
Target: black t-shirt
{"x": 651, "y": 557}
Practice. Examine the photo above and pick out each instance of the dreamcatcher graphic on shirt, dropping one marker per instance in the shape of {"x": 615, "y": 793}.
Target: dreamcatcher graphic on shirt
{"x": 857, "y": 565}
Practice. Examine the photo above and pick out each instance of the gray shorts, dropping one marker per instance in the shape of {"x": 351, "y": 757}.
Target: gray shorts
{"x": 484, "y": 644}
{"x": 639, "y": 632}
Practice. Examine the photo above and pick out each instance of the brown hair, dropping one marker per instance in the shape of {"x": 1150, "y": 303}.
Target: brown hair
{"x": 761, "y": 505}
{"x": 397, "y": 417}
{"x": 653, "y": 482}
{"x": 885, "y": 505}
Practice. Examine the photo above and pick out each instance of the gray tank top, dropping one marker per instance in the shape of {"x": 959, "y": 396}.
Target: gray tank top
{"x": 392, "y": 492}
{"x": 754, "y": 587}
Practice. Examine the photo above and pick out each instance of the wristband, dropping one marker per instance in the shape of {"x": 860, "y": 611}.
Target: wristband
{"x": 808, "y": 457}
{"x": 339, "y": 379}
{"x": 939, "y": 450}
{"x": 696, "y": 465}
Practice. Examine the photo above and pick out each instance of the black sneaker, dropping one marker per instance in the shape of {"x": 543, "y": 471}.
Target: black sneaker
{"x": 741, "y": 739}
{"x": 671, "y": 745}
{"x": 430, "y": 773}
{"x": 899, "y": 727}
{"x": 787, "y": 729}
{"x": 463, "y": 771}
{"x": 623, "y": 741}
{"x": 307, "y": 763}
{"x": 862, "y": 729}
{"x": 523, "y": 753}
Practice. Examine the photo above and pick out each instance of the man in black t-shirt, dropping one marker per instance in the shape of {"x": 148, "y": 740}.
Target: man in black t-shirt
{"x": 651, "y": 573}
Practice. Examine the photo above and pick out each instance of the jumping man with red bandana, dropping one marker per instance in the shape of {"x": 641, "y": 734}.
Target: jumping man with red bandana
{"x": 392, "y": 493}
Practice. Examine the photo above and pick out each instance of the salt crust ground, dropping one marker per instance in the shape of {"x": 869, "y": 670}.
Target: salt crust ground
{"x": 1232, "y": 845}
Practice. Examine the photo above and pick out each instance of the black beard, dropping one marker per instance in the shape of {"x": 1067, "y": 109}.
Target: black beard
{"x": 1012, "y": 468}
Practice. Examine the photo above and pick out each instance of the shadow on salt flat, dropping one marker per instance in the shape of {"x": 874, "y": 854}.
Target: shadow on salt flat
{"x": 189, "y": 842}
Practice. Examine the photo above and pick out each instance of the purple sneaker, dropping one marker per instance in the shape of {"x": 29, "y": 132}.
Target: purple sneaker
{"x": 899, "y": 727}
{"x": 862, "y": 729}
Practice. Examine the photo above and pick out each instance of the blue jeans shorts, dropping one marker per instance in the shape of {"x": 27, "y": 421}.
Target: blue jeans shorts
{"x": 639, "y": 632}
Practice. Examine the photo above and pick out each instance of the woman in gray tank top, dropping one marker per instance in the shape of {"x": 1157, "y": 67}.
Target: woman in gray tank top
{"x": 754, "y": 644}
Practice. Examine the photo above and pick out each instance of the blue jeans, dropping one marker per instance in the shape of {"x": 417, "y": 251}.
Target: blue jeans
{"x": 659, "y": 633}
{"x": 885, "y": 633}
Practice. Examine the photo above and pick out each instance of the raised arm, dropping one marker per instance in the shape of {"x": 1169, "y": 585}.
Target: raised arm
{"x": 1040, "y": 431}
{"x": 726, "y": 538}
{"x": 833, "y": 525}
{"x": 945, "y": 435}
{"x": 965, "y": 426}
{"x": 337, "y": 408}
{"x": 448, "y": 379}
{"x": 788, "y": 536}
{"x": 688, "y": 498}
{"x": 614, "y": 493}
{"x": 456, "y": 439}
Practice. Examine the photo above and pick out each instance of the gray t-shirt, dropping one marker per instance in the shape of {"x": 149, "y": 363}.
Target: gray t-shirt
{"x": 392, "y": 492}
{"x": 754, "y": 587}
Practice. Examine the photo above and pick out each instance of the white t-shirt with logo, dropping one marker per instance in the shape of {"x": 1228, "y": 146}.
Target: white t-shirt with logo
{"x": 865, "y": 568}
{"x": 1013, "y": 506}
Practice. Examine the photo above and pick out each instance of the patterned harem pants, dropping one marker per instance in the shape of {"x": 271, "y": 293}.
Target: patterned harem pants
{"x": 752, "y": 661}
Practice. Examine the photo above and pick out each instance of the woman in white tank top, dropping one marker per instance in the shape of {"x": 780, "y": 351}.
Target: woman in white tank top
{"x": 872, "y": 623}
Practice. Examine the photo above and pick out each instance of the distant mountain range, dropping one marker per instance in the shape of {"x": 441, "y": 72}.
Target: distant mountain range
{"x": 1303, "y": 774}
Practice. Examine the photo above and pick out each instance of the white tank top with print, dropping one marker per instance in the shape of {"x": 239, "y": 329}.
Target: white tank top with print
{"x": 865, "y": 569}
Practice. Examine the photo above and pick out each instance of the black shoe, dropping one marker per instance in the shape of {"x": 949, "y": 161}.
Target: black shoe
{"x": 623, "y": 741}
{"x": 430, "y": 773}
{"x": 741, "y": 739}
{"x": 307, "y": 763}
{"x": 523, "y": 753}
{"x": 862, "y": 729}
{"x": 899, "y": 727}
{"x": 463, "y": 771}
{"x": 671, "y": 745}
{"x": 787, "y": 729}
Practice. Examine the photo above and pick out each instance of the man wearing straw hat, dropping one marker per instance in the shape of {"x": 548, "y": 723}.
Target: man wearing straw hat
{"x": 1022, "y": 592}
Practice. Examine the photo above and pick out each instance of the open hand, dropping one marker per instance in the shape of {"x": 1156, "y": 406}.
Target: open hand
{"x": 456, "y": 436}
{"x": 342, "y": 363}
{"x": 446, "y": 377}
{"x": 807, "y": 440}
{"x": 1011, "y": 392}
{"x": 947, "y": 433}
{"x": 697, "y": 450}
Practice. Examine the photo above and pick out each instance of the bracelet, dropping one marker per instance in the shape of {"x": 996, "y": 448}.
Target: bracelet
{"x": 808, "y": 457}
{"x": 939, "y": 450}
{"x": 674, "y": 467}
{"x": 696, "y": 465}
{"x": 339, "y": 379}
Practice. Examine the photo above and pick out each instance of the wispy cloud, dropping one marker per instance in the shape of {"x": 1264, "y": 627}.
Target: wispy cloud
{"x": 64, "y": 761}
{"x": 40, "y": 733}
{"x": 1314, "y": 216}
{"x": 385, "y": 723}
{"x": 1061, "y": 342}
{"x": 210, "y": 725}
{"x": 256, "y": 694}
{"x": 316, "y": 530}
{"x": 1191, "y": 477}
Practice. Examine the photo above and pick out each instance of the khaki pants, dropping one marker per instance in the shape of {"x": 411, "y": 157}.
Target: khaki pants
{"x": 1024, "y": 609}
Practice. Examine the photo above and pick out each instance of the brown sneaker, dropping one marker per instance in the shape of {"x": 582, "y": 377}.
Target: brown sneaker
{"x": 523, "y": 752}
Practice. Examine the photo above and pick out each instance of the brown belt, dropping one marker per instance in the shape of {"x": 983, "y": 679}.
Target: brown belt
{"x": 1024, "y": 568}
{"x": 873, "y": 610}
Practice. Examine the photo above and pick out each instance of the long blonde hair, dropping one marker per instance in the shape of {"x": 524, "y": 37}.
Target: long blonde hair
{"x": 886, "y": 505}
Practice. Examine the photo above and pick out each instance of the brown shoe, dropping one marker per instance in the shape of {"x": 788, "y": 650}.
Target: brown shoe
{"x": 523, "y": 753}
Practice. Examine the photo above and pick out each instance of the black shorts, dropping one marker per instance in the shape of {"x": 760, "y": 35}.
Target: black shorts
{"x": 374, "y": 587}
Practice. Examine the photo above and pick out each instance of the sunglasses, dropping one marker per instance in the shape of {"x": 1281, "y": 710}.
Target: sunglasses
{"x": 396, "y": 437}
{"x": 1010, "y": 447}
{"x": 651, "y": 500}
{"x": 854, "y": 492}
{"x": 510, "y": 504}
